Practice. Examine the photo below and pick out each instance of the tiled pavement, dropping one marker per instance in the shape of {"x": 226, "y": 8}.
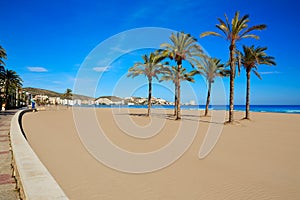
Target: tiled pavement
{"x": 7, "y": 182}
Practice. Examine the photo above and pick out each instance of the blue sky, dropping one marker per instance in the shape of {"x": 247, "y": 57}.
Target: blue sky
{"x": 49, "y": 42}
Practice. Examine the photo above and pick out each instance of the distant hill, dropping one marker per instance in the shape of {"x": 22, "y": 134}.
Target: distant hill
{"x": 49, "y": 93}
{"x": 36, "y": 91}
{"x": 112, "y": 98}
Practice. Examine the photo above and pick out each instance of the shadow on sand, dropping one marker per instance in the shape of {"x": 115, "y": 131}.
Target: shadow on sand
{"x": 184, "y": 117}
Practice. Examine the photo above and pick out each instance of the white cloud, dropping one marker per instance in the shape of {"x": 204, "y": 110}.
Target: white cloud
{"x": 101, "y": 69}
{"x": 37, "y": 69}
{"x": 120, "y": 50}
{"x": 271, "y": 72}
{"x": 104, "y": 62}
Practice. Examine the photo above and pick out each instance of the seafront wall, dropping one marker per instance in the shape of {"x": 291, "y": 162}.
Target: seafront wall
{"x": 33, "y": 179}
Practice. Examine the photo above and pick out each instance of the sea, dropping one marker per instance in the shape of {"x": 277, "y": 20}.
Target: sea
{"x": 293, "y": 109}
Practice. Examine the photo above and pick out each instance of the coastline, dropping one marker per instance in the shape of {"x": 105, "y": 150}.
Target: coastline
{"x": 288, "y": 109}
{"x": 254, "y": 159}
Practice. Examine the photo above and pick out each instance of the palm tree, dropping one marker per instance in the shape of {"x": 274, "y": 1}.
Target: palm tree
{"x": 11, "y": 82}
{"x": 170, "y": 74}
{"x": 150, "y": 68}
{"x": 250, "y": 58}
{"x": 183, "y": 47}
{"x": 2, "y": 70}
{"x": 233, "y": 32}
{"x": 68, "y": 95}
{"x": 210, "y": 68}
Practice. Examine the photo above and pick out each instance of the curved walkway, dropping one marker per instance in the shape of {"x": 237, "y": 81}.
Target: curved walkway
{"x": 7, "y": 182}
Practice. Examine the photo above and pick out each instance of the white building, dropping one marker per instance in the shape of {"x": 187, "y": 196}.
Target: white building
{"x": 105, "y": 101}
{"x": 77, "y": 102}
{"x": 192, "y": 102}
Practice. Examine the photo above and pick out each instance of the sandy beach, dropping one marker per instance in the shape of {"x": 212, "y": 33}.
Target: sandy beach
{"x": 256, "y": 159}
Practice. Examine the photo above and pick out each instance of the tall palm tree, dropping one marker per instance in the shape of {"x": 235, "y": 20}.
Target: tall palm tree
{"x": 151, "y": 68}
{"x": 233, "y": 32}
{"x": 68, "y": 95}
{"x": 250, "y": 58}
{"x": 183, "y": 47}
{"x": 210, "y": 68}
{"x": 11, "y": 82}
{"x": 2, "y": 70}
{"x": 170, "y": 74}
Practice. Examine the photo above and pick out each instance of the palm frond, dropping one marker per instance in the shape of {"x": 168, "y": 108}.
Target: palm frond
{"x": 257, "y": 74}
{"x": 223, "y": 26}
{"x": 250, "y": 36}
{"x": 210, "y": 33}
{"x": 227, "y": 23}
{"x": 166, "y": 45}
{"x": 151, "y": 67}
{"x": 256, "y": 27}
{"x": 195, "y": 72}
{"x": 267, "y": 60}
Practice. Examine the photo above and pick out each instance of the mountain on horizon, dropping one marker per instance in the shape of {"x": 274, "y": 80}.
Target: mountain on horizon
{"x": 50, "y": 93}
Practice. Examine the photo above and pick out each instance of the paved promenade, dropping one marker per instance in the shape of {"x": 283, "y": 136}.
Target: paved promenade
{"x": 7, "y": 182}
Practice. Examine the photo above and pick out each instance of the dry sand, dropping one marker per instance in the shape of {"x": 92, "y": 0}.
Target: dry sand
{"x": 257, "y": 159}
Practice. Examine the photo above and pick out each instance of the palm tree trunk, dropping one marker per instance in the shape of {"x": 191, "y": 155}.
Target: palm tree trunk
{"x": 178, "y": 114}
{"x": 208, "y": 98}
{"x": 6, "y": 94}
{"x": 248, "y": 95}
{"x": 175, "y": 100}
{"x": 232, "y": 74}
{"x": 149, "y": 96}
{"x": 17, "y": 98}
